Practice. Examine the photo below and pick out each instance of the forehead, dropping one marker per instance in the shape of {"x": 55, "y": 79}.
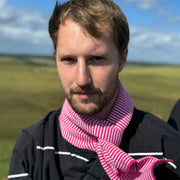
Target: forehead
{"x": 71, "y": 37}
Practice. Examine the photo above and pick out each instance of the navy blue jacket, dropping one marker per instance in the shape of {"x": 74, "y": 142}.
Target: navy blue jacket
{"x": 41, "y": 153}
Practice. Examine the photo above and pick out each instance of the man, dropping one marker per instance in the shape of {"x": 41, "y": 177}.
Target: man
{"x": 98, "y": 133}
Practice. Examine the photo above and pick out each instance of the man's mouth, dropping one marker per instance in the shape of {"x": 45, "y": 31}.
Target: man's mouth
{"x": 84, "y": 95}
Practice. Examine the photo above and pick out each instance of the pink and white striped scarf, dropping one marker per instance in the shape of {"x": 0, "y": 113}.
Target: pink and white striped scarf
{"x": 104, "y": 137}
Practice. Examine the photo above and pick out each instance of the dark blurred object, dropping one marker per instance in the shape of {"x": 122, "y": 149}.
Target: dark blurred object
{"x": 174, "y": 118}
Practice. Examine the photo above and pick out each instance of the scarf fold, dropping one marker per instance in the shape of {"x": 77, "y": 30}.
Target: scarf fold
{"x": 104, "y": 137}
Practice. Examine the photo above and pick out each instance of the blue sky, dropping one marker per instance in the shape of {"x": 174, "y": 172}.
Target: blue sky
{"x": 154, "y": 26}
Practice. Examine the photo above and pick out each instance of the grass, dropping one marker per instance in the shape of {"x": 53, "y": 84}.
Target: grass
{"x": 27, "y": 92}
{"x": 30, "y": 90}
{"x": 6, "y": 146}
{"x": 26, "y": 96}
{"x": 153, "y": 88}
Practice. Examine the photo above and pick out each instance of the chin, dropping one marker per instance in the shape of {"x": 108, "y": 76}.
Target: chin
{"x": 86, "y": 108}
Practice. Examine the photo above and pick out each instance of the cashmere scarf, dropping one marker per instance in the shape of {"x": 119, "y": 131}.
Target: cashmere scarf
{"x": 104, "y": 137}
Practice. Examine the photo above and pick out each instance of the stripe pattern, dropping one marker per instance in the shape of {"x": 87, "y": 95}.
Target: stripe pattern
{"x": 104, "y": 137}
{"x": 62, "y": 152}
{"x": 18, "y": 175}
{"x": 146, "y": 154}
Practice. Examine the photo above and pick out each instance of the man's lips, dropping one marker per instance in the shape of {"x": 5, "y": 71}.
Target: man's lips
{"x": 84, "y": 95}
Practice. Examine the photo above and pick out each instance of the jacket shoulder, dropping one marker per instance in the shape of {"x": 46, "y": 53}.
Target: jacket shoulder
{"x": 146, "y": 131}
{"x": 34, "y": 134}
{"x": 48, "y": 120}
{"x": 25, "y": 155}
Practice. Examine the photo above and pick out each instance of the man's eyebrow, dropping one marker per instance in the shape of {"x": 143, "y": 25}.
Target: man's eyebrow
{"x": 61, "y": 56}
{"x": 86, "y": 55}
{"x": 97, "y": 53}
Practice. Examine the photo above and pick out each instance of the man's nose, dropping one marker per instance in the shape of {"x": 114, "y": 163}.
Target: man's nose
{"x": 83, "y": 76}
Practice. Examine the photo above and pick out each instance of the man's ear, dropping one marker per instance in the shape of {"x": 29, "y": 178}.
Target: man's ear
{"x": 123, "y": 59}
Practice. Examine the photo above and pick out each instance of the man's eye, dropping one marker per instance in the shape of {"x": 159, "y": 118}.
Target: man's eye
{"x": 68, "y": 60}
{"x": 97, "y": 58}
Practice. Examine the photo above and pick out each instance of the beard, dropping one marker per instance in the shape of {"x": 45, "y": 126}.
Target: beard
{"x": 97, "y": 100}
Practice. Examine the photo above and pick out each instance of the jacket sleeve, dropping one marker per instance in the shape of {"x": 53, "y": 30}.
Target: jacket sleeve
{"x": 170, "y": 145}
{"x": 22, "y": 159}
{"x": 147, "y": 133}
{"x": 170, "y": 170}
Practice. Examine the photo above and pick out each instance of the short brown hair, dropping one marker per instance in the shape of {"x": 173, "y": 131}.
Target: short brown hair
{"x": 95, "y": 16}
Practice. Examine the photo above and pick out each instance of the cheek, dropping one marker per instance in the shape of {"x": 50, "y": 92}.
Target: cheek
{"x": 64, "y": 79}
{"x": 105, "y": 77}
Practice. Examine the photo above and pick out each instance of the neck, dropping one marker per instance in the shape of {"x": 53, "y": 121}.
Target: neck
{"x": 103, "y": 114}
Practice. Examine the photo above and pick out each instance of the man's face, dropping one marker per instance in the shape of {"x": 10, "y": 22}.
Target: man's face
{"x": 88, "y": 68}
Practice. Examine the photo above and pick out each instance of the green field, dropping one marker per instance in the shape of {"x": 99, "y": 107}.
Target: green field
{"x": 30, "y": 88}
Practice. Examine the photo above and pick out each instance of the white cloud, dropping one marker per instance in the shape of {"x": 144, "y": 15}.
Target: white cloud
{"x": 169, "y": 15}
{"x": 4, "y": 15}
{"x": 22, "y": 25}
{"x": 19, "y": 33}
{"x": 145, "y": 4}
{"x": 25, "y": 31}
{"x": 148, "y": 4}
{"x": 2, "y": 3}
{"x": 155, "y": 46}
{"x": 152, "y": 38}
